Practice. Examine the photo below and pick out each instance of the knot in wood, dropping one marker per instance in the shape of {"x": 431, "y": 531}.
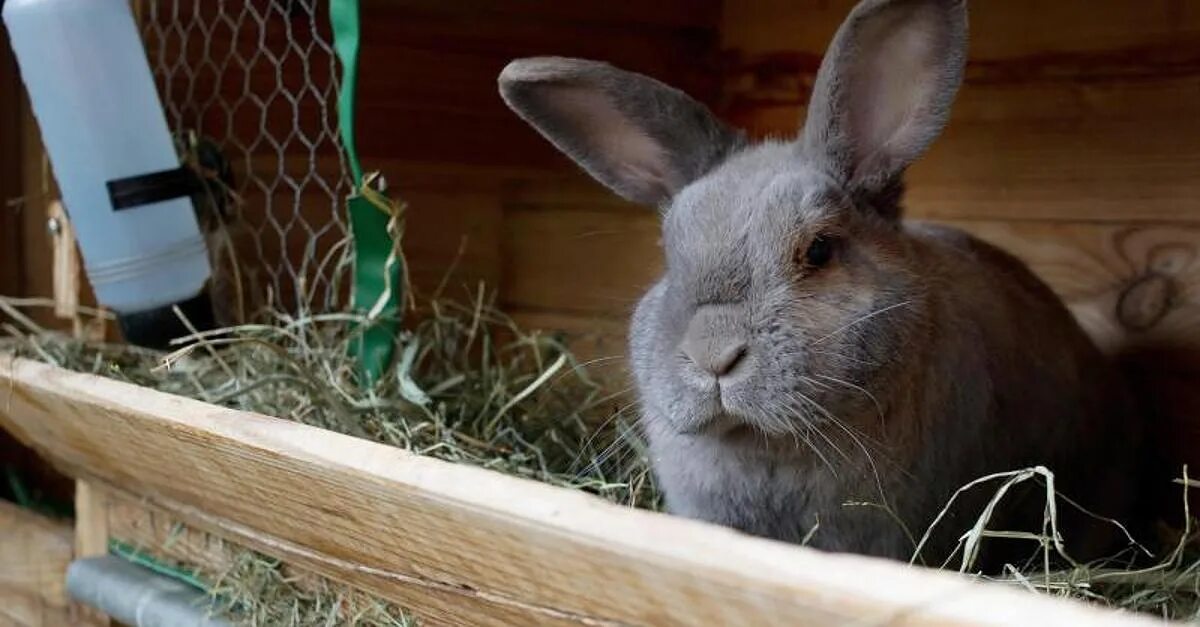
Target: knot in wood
{"x": 1145, "y": 301}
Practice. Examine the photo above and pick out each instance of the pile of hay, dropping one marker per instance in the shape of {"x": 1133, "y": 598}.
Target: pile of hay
{"x": 469, "y": 386}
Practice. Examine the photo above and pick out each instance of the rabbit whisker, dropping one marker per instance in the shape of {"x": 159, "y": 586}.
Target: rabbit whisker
{"x": 860, "y": 320}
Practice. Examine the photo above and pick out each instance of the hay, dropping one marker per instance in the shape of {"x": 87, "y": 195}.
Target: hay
{"x": 469, "y": 386}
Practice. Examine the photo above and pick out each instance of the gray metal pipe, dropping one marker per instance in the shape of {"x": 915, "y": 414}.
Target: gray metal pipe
{"x": 137, "y": 596}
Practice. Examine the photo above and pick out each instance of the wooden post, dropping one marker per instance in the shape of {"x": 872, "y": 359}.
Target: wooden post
{"x": 91, "y": 539}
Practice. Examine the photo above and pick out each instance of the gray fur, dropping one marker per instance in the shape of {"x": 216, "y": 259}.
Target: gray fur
{"x": 918, "y": 360}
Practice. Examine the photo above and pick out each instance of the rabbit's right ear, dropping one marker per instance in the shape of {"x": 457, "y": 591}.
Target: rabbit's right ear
{"x": 641, "y": 138}
{"x": 884, "y": 89}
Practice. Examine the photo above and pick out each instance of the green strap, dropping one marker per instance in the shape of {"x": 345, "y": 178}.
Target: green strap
{"x": 374, "y": 222}
{"x": 343, "y": 15}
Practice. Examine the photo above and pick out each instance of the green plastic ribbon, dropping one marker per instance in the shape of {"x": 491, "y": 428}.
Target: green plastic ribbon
{"x": 374, "y": 222}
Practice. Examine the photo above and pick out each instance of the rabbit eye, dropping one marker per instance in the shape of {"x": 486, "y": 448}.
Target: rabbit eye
{"x": 819, "y": 252}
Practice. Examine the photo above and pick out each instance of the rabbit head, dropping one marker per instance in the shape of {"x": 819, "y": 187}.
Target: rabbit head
{"x": 789, "y": 283}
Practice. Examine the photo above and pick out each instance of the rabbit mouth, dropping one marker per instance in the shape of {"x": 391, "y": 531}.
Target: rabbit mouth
{"x": 724, "y": 426}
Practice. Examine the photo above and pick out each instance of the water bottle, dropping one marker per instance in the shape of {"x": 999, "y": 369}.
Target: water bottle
{"x": 84, "y": 66}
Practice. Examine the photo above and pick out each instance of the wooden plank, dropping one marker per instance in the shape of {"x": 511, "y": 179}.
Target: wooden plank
{"x": 145, "y": 527}
{"x": 673, "y": 13}
{"x": 1012, "y": 29}
{"x": 599, "y": 343}
{"x": 593, "y": 261}
{"x": 1109, "y": 150}
{"x": 158, "y": 533}
{"x": 1115, "y": 151}
{"x": 384, "y": 518}
{"x": 34, "y": 554}
{"x": 37, "y": 188}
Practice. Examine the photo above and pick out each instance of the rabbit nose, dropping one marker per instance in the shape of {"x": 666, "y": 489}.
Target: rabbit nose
{"x": 712, "y": 342}
{"x": 716, "y": 358}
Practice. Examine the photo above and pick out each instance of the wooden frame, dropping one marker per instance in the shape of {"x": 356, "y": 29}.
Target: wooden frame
{"x": 463, "y": 545}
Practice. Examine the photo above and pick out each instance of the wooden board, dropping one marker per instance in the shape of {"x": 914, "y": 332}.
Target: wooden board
{"x": 464, "y": 545}
{"x": 157, "y": 533}
{"x": 1059, "y": 29}
{"x": 34, "y": 554}
{"x": 1119, "y": 149}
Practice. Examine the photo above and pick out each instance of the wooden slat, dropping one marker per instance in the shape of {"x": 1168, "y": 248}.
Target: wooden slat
{"x": 1060, "y": 28}
{"x": 595, "y": 261}
{"x": 599, "y": 343}
{"x": 91, "y": 540}
{"x": 673, "y": 13}
{"x": 1108, "y": 150}
{"x": 150, "y": 529}
{"x": 1119, "y": 150}
{"x": 402, "y": 524}
{"x": 160, "y": 534}
{"x": 34, "y": 554}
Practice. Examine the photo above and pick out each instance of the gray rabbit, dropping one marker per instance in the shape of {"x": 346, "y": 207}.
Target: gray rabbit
{"x": 811, "y": 367}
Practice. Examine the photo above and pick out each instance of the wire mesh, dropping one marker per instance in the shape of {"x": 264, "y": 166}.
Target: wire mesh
{"x": 259, "y": 78}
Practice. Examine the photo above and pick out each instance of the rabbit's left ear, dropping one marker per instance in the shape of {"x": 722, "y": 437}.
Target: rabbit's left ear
{"x": 641, "y": 138}
{"x": 884, "y": 89}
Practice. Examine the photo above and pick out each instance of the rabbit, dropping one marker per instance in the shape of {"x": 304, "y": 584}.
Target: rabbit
{"x": 812, "y": 367}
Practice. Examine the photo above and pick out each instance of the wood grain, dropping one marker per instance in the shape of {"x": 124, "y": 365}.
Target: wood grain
{"x": 579, "y": 260}
{"x": 91, "y": 540}
{"x": 147, "y": 528}
{"x": 155, "y": 532}
{"x": 1061, "y": 28}
{"x": 1120, "y": 149}
{"x": 395, "y": 522}
{"x": 1130, "y": 286}
{"x": 34, "y": 554}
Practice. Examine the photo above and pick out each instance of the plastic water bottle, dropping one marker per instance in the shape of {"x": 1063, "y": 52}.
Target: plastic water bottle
{"x": 84, "y": 66}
